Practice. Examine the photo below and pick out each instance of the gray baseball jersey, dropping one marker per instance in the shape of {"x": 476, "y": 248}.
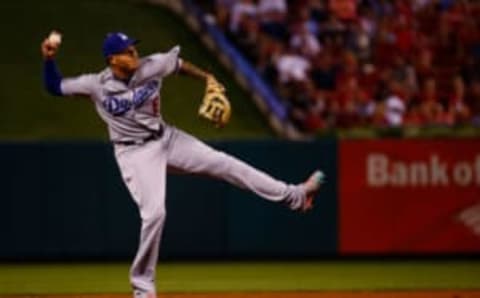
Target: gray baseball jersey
{"x": 127, "y": 108}
{"x": 132, "y": 112}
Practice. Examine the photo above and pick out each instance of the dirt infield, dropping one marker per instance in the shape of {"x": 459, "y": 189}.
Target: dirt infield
{"x": 379, "y": 294}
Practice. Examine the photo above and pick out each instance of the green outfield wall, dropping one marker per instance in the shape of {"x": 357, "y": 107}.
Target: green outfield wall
{"x": 384, "y": 197}
{"x": 67, "y": 201}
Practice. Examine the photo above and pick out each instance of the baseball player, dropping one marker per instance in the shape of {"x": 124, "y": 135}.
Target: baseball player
{"x": 126, "y": 95}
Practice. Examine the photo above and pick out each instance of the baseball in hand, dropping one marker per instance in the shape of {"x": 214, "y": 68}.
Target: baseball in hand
{"x": 55, "y": 38}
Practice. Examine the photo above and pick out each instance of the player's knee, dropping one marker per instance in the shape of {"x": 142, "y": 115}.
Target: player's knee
{"x": 155, "y": 216}
{"x": 221, "y": 162}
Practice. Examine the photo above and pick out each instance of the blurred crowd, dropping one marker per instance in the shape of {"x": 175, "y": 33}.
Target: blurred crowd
{"x": 350, "y": 63}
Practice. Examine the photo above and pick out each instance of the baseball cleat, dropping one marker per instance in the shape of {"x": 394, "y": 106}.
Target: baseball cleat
{"x": 142, "y": 294}
{"x": 304, "y": 201}
{"x": 312, "y": 185}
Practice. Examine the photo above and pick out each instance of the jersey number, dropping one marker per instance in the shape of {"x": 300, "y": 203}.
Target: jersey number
{"x": 155, "y": 104}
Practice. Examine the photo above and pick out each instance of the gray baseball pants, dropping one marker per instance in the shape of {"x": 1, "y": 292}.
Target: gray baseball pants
{"x": 144, "y": 168}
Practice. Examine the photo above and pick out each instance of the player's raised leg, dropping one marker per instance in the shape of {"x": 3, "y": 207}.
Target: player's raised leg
{"x": 190, "y": 155}
{"x": 144, "y": 171}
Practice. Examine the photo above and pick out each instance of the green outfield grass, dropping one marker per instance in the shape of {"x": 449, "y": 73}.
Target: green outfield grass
{"x": 244, "y": 276}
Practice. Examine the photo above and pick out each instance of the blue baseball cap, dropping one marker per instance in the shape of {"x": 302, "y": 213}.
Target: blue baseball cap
{"x": 116, "y": 42}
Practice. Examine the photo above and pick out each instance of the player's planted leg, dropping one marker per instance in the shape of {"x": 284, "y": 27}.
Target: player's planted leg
{"x": 144, "y": 170}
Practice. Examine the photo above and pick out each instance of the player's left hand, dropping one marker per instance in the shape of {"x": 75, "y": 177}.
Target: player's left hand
{"x": 215, "y": 106}
{"x": 213, "y": 85}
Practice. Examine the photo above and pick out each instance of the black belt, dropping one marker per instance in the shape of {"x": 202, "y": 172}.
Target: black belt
{"x": 155, "y": 135}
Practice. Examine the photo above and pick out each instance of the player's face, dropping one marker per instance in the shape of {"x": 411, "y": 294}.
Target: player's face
{"x": 127, "y": 60}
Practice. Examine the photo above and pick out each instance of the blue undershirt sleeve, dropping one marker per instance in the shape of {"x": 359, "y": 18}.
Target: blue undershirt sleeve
{"x": 52, "y": 78}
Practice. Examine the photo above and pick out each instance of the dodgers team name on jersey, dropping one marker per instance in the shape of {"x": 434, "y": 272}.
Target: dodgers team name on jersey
{"x": 119, "y": 106}
{"x": 131, "y": 110}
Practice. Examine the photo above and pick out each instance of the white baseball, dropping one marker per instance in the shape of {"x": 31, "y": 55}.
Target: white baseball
{"x": 55, "y": 38}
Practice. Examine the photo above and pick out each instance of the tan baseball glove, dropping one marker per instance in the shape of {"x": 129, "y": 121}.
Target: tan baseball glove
{"x": 215, "y": 106}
